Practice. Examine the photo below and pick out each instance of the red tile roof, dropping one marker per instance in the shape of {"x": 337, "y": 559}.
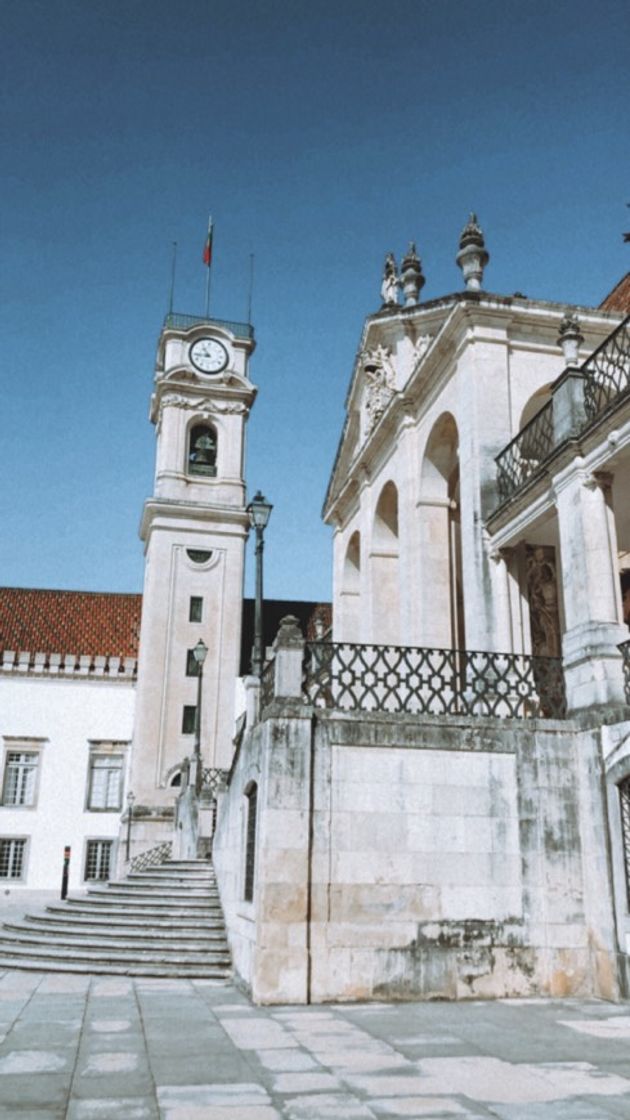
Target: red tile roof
{"x": 619, "y": 298}
{"x": 80, "y": 622}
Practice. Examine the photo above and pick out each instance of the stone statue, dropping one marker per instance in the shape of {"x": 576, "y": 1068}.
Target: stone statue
{"x": 391, "y": 282}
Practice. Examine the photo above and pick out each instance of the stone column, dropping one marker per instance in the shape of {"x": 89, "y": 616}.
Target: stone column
{"x": 289, "y": 647}
{"x": 592, "y": 599}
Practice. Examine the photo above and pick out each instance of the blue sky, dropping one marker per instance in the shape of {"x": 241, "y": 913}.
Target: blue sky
{"x": 320, "y": 135}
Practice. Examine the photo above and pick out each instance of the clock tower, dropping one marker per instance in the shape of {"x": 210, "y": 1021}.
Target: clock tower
{"x": 194, "y": 529}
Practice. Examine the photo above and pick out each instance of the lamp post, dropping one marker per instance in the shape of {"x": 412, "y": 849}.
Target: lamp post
{"x": 259, "y": 512}
{"x": 130, "y": 801}
{"x": 199, "y": 653}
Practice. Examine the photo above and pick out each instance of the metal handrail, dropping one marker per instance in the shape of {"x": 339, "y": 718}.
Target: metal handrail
{"x": 177, "y": 321}
{"x": 607, "y": 372}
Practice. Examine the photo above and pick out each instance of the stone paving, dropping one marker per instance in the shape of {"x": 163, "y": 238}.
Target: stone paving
{"x": 99, "y": 1048}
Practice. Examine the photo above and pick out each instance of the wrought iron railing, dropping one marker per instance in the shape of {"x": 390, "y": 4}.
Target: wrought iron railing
{"x": 418, "y": 681}
{"x": 152, "y": 856}
{"x": 184, "y": 322}
{"x": 267, "y": 683}
{"x": 523, "y": 457}
{"x": 213, "y": 780}
{"x": 607, "y": 372}
{"x": 624, "y": 649}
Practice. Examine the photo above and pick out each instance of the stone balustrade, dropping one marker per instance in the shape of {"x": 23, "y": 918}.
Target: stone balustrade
{"x": 37, "y": 663}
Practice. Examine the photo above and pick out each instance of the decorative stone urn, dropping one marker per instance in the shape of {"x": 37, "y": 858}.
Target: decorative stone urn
{"x": 473, "y": 256}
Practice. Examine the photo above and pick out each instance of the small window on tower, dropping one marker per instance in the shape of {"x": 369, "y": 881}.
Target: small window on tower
{"x": 202, "y": 451}
{"x": 196, "y": 608}
{"x": 188, "y": 719}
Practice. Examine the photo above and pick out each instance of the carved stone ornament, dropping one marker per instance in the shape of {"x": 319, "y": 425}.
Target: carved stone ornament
{"x": 391, "y": 282}
{"x": 411, "y": 276}
{"x": 542, "y": 592}
{"x": 203, "y": 404}
{"x": 421, "y": 346}
{"x": 380, "y": 383}
{"x": 570, "y": 338}
{"x": 473, "y": 256}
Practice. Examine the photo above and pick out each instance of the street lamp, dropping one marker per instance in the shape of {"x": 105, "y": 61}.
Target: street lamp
{"x": 199, "y": 653}
{"x": 259, "y": 512}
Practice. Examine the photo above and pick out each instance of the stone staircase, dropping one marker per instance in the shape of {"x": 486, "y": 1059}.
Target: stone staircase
{"x": 163, "y": 921}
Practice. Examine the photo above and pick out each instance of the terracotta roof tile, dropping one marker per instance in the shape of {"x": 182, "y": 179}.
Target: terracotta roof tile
{"x": 619, "y": 298}
{"x": 80, "y": 622}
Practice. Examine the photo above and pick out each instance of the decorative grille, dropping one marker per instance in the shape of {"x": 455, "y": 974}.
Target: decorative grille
{"x": 152, "y": 856}
{"x": 97, "y": 859}
{"x": 624, "y": 799}
{"x": 625, "y": 653}
{"x": 12, "y": 858}
{"x": 267, "y": 684}
{"x": 20, "y": 777}
{"x": 418, "y": 681}
{"x": 607, "y": 371}
{"x": 523, "y": 457}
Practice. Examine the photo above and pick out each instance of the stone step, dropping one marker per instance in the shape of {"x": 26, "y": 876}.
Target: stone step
{"x": 68, "y": 938}
{"x": 154, "y": 890}
{"x": 104, "y": 923}
{"x": 198, "y": 914}
{"x": 133, "y": 935}
{"x": 149, "y": 926}
{"x": 112, "y": 955}
{"x": 101, "y": 968}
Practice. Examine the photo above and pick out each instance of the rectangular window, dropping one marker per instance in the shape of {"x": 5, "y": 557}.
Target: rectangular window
{"x": 20, "y": 777}
{"x": 105, "y": 781}
{"x": 98, "y": 855}
{"x": 192, "y": 666}
{"x": 188, "y": 719}
{"x": 12, "y": 858}
{"x": 196, "y": 608}
{"x": 250, "y": 844}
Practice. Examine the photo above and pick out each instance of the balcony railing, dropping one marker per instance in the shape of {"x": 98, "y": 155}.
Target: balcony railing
{"x": 624, "y": 649}
{"x": 184, "y": 322}
{"x": 523, "y": 457}
{"x": 419, "y": 681}
{"x": 607, "y": 372}
{"x": 606, "y": 381}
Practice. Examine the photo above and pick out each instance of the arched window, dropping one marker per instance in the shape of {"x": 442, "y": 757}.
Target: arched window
{"x": 202, "y": 451}
{"x": 251, "y": 793}
{"x": 349, "y": 616}
{"x": 441, "y": 575}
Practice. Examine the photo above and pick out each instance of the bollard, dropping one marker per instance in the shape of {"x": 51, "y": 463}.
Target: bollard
{"x": 65, "y": 872}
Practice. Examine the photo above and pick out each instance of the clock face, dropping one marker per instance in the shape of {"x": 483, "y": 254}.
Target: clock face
{"x": 208, "y": 356}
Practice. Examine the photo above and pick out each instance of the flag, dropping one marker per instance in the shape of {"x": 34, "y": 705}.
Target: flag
{"x": 207, "y": 249}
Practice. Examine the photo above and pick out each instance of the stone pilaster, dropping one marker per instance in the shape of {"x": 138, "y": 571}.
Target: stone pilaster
{"x": 588, "y": 546}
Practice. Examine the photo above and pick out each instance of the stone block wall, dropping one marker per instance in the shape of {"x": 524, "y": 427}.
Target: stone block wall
{"x": 406, "y": 858}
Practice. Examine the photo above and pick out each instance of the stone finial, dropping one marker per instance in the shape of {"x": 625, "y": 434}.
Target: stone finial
{"x": 391, "y": 282}
{"x": 473, "y": 255}
{"x": 411, "y": 275}
{"x": 570, "y": 338}
{"x": 289, "y": 633}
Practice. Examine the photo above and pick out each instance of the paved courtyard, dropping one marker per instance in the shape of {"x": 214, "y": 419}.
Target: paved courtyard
{"x": 95, "y": 1048}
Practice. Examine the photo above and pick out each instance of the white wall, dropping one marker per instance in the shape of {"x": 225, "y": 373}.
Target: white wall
{"x": 64, "y": 716}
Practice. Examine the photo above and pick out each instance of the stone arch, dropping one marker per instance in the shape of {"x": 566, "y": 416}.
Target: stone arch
{"x": 441, "y": 576}
{"x": 201, "y": 453}
{"x": 351, "y": 590}
{"x": 534, "y": 404}
{"x": 384, "y": 564}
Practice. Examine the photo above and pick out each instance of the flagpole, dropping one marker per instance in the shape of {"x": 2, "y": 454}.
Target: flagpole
{"x": 208, "y": 272}
{"x": 172, "y": 292}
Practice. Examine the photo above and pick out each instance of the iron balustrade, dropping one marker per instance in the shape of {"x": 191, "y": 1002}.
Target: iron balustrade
{"x": 213, "y": 780}
{"x": 177, "y": 321}
{"x": 418, "y": 681}
{"x": 523, "y": 457}
{"x": 624, "y": 649}
{"x": 607, "y": 372}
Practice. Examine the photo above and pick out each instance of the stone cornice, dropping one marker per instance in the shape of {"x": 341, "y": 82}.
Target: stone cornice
{"x": 222, "y": 519}
{"x": 67, "y": 666}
